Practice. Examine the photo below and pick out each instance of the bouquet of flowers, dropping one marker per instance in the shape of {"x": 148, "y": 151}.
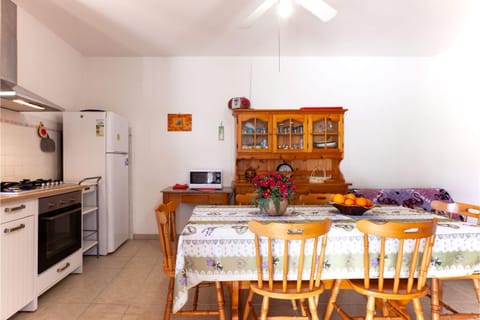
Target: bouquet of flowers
{"x": 273, "y": 186}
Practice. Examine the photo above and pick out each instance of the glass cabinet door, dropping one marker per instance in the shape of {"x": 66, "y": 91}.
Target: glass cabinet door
{"x": 325, "y": 132}
{"x": 254, "y": 134}
{"x": 290, "y": 133}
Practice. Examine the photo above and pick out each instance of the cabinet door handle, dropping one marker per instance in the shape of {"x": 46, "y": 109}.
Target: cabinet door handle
{"x": 64, "y": 267}
{"x": 10, "y": 230}
{"x": 20, "y": 207}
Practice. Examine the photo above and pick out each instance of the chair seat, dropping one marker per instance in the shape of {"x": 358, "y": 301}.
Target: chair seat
{"x": 290, "y": 293}
{"x": 387, "y": 293}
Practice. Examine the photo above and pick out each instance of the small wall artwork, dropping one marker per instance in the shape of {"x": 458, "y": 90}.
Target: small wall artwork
{"x": 179, "y": 122}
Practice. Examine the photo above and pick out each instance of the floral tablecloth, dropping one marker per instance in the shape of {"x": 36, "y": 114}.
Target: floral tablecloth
{"x": 217, "y": 245}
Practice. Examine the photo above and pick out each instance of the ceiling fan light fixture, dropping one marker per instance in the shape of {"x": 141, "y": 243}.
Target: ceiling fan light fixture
{"x": 284, "y": 8}
{"x": 258, "y": 12}
{"x": 319, "y": 8}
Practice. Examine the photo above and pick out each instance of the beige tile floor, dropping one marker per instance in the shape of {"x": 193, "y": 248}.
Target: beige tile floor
{"x": 130, "y": 284}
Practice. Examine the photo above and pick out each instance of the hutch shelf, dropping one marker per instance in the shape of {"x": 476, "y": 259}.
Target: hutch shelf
{"x": 308, "y": 142}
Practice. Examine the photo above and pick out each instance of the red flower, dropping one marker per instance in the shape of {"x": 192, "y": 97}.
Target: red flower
{"x": 275, "y": 186}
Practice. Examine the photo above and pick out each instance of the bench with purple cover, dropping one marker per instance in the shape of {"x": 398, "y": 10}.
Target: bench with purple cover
{"x": 407, "y": 197}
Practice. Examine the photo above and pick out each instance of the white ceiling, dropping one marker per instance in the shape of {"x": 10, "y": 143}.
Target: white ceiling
{"x": 211, "y": 27}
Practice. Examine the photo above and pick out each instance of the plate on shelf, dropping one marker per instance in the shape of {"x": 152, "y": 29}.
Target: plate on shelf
{"x": 285, "y": 167}
{"x": 328, "y": 144}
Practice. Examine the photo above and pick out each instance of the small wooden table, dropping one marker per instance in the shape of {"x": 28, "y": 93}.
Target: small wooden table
{"x": 203, "y": 196}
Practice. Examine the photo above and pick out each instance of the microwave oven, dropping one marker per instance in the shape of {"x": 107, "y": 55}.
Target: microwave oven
{"x": 205, "y": 179}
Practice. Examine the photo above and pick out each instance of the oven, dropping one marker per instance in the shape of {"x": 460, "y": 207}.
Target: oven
{"x": 59, "y": 228}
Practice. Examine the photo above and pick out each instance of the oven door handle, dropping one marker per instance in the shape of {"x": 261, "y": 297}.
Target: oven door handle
{"x": 57, "y": 216}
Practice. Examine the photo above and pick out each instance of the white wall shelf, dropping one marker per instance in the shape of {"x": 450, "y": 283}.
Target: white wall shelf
{"x": 87, "y": 210}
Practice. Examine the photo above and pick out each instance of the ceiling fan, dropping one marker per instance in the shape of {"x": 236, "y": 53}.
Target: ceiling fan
{"x": 319, "y": 8}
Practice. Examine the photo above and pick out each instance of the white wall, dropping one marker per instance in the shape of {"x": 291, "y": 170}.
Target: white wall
{"x": 454, "y": 139}
{"x": 47, "y": 65}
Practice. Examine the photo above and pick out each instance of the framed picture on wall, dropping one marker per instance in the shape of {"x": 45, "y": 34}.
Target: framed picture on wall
{"x": 179, "y": 122}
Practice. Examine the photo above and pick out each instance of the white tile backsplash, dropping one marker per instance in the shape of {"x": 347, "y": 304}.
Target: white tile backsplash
{"x": 20, "y": 153}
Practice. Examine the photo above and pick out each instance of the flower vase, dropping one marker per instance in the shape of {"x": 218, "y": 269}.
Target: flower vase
{"x": 272, "y": 211}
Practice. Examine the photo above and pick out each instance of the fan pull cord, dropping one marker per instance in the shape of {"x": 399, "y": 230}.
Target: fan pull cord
{"x": 278, "y": 37}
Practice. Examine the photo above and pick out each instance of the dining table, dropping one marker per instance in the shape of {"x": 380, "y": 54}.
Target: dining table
{"x": 216, "y": 244}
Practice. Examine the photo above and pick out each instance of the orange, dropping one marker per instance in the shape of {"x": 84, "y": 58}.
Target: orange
{"x": 350, "y": 196}
{"x": 369, "y": 203}
{"x": 349, "y": 202}
{"x": 361, "y": 201}
{"x": 338, "y": 198}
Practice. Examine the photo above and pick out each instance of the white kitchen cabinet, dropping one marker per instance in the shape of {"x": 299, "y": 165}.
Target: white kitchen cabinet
{"x": 90, "y": 215}
{"x": 17, "y": 256}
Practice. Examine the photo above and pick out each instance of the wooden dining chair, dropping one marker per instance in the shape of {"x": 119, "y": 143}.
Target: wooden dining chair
{"x": 315, "y": 198}
{"x": 292, "y": 249}
{"x": 245, "y": 198}
{"x": 169, "y": 247}
{"x": 471, "y": 214}
{"x": 402, "y": 275}
{"x": 170, "y": 208}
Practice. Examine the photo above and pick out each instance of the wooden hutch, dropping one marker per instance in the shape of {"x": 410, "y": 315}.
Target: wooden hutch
{"x": 308, "y": 142}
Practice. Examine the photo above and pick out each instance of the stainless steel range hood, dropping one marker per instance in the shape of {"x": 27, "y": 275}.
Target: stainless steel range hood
{"x": 12, "y": 96}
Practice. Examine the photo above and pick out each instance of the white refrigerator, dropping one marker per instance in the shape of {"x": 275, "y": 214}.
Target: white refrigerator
{"x": 96, "y": 144}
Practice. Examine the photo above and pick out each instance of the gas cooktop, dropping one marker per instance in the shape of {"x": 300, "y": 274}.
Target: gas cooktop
{"x": 15, "y": 187}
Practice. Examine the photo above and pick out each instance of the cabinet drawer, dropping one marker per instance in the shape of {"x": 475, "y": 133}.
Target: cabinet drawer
{"x": 194, "y": 198}
{"x": 58, "y": 271}
{"x": 17, "y": 210}
{"x": 218, "y": 199}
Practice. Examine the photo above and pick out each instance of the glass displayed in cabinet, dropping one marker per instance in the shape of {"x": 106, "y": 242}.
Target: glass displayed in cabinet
{"x": 254, "y": 134}
{"x": 325, "y": 132}
{"x": 290, "y": 133}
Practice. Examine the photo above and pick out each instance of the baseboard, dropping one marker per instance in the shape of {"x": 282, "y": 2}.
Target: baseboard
{"x": 145, "y": 236}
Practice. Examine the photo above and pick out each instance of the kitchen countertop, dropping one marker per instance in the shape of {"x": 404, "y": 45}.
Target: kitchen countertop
{"x": 39, "y": 193}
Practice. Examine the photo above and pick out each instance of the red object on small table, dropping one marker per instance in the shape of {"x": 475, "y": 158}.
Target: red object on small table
{"x": 180, "y": 186}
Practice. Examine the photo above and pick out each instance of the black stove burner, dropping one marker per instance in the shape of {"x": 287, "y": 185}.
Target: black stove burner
{"x": 26, "y": 184}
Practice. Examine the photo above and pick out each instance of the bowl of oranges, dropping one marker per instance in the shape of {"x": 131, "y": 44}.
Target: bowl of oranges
{"x": 350, "y": 204}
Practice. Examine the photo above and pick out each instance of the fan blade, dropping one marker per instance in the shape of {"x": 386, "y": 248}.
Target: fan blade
{"x": 319, "y": 8}
{"x": 258, "y": 12}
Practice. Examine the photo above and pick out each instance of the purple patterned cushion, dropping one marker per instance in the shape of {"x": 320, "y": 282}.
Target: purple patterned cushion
{"x": 407, "y": 197}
